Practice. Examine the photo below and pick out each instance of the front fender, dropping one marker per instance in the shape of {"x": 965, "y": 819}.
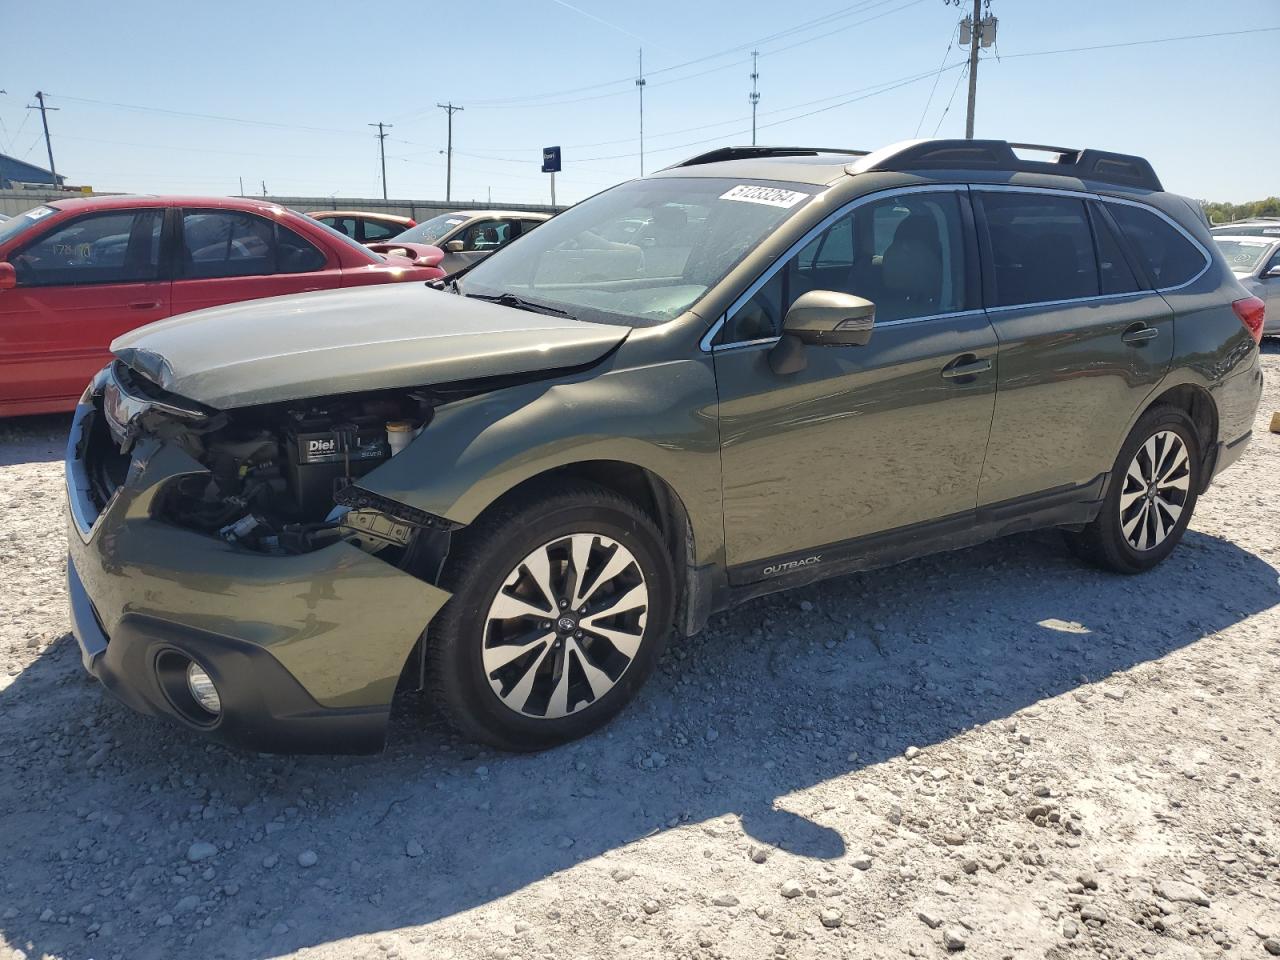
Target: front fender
{"x": 659, "y": 416}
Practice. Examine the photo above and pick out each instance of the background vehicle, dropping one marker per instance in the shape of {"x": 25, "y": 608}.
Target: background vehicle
{"x": 471, "y": 235}
{"x": 1255, "y": 260}
{"x": 824, "y": 361}
{"x": 75, "y": 274}
{"x": 1258, "y": 227}
{"x": 363, "y": 226}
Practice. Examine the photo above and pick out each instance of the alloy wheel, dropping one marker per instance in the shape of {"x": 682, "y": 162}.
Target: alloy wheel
{"x": 1155, "y": 492}
{"x": 565, "y": 625}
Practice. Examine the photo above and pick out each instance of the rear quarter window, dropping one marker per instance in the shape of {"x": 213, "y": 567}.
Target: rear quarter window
{"x": 1169, "y": 257}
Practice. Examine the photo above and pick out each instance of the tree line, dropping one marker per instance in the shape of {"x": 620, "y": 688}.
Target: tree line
{"x": 1229, "y": 212}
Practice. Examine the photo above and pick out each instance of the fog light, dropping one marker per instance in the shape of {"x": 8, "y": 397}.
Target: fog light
{"x": 202, "y": 688}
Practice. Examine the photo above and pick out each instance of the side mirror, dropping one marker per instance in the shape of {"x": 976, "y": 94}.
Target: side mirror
{"x": 821, "y": 318}
{"x": 8, "y": 276}
{"x": 830, "y": 318}
{"x": 1273, "y": 272}
{"x": 455, "y": 246}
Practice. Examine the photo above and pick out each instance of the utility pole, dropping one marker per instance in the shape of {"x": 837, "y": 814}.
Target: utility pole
{"x": 382, "y": 152}
{"x": 755, "y": 94}
{"x": 264, "y": 188}
{"x": 640, "y": 83}
{"x": 975, "y": 31}
{"x": 44, "y": 119}
{"x": 974, "y": 39}
{"x": 450, "y": 109}
{"x": 242, "y": 186}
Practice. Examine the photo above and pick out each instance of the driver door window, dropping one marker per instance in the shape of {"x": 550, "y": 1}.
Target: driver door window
{"x": 905, "y": 254}
{"x": 487, "y": 236}
{"x": 121, "y": 247}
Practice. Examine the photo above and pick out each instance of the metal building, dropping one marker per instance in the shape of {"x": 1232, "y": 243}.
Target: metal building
{"x": 14, "y": 172}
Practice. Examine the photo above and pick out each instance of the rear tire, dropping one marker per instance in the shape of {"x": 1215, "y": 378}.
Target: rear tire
{"x": 530, "y": 651}
{"x": 1152, "y": 494}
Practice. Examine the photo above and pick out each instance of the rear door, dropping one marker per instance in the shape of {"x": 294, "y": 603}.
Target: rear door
{"x": 81, "y": 284}
{"x": 1082, "y": 343}
{"x": 230, "y": 255}
{"x": 865, "y": 439}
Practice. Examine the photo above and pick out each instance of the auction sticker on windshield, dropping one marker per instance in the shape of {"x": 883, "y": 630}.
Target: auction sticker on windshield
{"x": 38, "y": 212}
{"x": 770, "y": 196}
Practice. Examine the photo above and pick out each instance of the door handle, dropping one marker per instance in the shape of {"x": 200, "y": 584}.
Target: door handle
{"x": 965, "y": 366}
{"x": 1139, "y": 333}
{"x": 144, "y": 304}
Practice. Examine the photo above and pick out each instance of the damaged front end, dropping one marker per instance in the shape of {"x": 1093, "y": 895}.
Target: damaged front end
{"x": 280, "y": 478}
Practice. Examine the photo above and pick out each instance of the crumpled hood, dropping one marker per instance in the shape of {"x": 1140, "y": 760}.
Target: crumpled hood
{"x": 342, "y": 341}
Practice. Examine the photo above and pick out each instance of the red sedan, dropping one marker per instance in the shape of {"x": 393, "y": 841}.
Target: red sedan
{"x": 75, "y": 274}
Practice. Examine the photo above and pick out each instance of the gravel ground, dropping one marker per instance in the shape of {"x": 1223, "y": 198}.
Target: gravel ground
{"x": 997, "y": 751}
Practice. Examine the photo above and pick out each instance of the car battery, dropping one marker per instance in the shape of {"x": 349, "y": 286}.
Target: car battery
{"x": 322, "y": 461}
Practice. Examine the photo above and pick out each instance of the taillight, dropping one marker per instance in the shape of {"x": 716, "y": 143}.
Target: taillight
{"x": 1251, "y": 311}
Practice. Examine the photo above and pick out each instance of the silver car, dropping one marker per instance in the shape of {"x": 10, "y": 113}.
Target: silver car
{"x": 469, "y": 236}
{"x": 1255, "y": 260}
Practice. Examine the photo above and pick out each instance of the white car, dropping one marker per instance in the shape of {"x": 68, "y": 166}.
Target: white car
{"x": 1255, "y": 260}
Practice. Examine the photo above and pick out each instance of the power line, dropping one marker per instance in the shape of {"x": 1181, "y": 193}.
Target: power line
{"x": 197, "y": 116}
{"x": 849, "y": 10}
{"x": 1139, "y": 43}
{"x": 938, "y": 76}
{"x": 951, "y": 99}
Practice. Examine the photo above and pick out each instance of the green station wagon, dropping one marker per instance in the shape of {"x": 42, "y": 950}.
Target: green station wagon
{"x": 509, "y": 490}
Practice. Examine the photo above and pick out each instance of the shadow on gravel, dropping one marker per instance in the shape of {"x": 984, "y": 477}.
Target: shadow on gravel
{"x": 98, "y": 807}
{"x": 33, "y": 439}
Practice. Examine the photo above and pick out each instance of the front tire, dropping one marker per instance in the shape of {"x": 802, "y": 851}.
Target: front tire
{"x": 561, "y": 607}
{"x": 1152, "y": 494}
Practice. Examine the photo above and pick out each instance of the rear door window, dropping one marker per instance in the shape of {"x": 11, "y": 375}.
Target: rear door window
{"x": 375, "y": 231}
{"x": 117, "y": 247}
{"x": 1041, "y": 248}
{"x": 232, "y": 243}
{"x": 1168, "y": 256}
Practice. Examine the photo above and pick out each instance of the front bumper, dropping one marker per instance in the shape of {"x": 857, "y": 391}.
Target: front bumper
{"x": 305, "y": 650}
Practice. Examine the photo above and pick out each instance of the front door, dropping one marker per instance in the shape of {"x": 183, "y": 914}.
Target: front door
{"x": 231, "y": 255}
{"x": 80, "y": 285}
{"x": 864, "y": 439}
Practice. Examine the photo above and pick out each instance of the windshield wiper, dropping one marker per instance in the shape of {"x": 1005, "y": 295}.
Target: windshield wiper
{"x": 519, "y": 303}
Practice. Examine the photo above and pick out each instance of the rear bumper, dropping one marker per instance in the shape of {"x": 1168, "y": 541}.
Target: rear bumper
{"x": 305, "y": 650}
{"x": 1229, "y": 453}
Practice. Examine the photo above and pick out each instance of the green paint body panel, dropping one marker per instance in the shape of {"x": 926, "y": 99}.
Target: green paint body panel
{"x": 340, "y": 621}
{"x": 866, "y": 445}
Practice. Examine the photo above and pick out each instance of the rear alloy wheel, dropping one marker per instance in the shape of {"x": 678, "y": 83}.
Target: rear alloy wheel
{"x": 565, "y": 626}
{"x": 561, "y": 606}
{"x": 1154, "y": 491}
{"x": 1150, "y": 498}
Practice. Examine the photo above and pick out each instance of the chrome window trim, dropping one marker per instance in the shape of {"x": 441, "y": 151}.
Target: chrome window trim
{"x": 1208, "y": 257}
{"x": 1100, "y": 198}
{"x": 705, "y": 343}
{"x": 902, "y": 321}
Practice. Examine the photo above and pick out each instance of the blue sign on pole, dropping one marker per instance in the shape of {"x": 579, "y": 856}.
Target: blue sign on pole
{"x": 550, "y": 159}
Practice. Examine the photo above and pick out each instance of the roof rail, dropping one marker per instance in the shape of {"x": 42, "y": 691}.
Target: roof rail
{"x": 750, "y": 153}
{"x": 1100, "y": 165}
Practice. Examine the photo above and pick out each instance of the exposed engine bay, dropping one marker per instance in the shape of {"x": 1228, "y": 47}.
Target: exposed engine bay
{"x": 281, "y": 476}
